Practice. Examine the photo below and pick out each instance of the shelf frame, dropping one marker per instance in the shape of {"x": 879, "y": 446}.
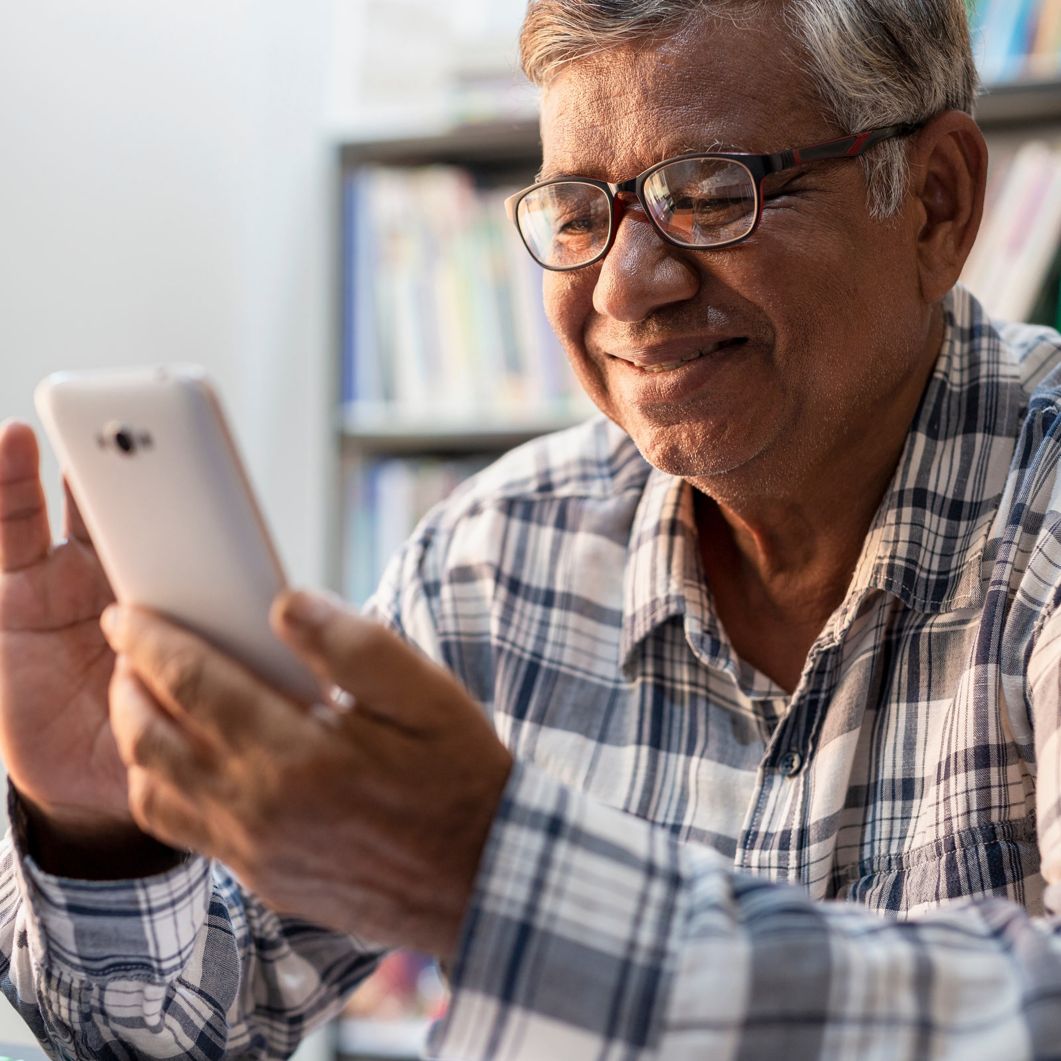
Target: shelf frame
{"x": 500, "y": 144}
{"x": 381, "y": 430}
{"x": 1034, "y": 101}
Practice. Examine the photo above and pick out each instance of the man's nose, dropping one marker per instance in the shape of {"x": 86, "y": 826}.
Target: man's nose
{"x": 641, "y": 273}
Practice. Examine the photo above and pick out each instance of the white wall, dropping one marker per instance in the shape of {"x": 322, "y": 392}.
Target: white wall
{"x": 165, "y": 194}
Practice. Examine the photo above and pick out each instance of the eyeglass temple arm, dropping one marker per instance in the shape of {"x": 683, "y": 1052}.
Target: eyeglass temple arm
{"x": 843, "y": 147}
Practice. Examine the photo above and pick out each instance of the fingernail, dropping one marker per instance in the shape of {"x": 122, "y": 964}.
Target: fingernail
{"x": 306, "y": 610}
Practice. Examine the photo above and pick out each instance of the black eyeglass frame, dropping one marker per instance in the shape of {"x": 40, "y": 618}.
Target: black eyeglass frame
{"x": 759, "y": 167}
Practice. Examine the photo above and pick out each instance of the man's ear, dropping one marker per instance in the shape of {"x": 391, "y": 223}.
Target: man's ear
{"x": 948, "y": 176}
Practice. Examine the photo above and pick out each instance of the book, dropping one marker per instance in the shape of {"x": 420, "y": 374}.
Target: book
{"x": 442, "y": 303}
{"x": 385, "y": 498}
{"x": 1016, "y": 39}
{"x": 1044, "y": 57}
{"x": 1003, "y": 45}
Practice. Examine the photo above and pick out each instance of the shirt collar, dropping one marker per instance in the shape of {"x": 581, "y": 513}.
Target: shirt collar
{"x": 661, "y": 560}
{"x": 926, "y": 542}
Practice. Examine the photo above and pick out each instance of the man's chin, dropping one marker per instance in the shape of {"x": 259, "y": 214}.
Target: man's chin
{"x": 694, "y": 451}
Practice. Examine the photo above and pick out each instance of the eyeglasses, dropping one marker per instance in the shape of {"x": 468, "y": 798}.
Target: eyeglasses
{"x": 699, "y": 201}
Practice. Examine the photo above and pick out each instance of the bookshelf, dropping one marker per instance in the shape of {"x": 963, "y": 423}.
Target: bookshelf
{"x": 368, "y": 433}
{"x": 1015, "y": 267}
{"x": 447, "y": 395}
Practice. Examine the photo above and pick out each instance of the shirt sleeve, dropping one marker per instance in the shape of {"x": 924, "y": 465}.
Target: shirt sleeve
{"x": 185, "y": 964}
{"x": 594, "y": 934}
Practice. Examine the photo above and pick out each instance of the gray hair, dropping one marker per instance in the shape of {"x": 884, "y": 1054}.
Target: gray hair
{"x": 872, "y": 62}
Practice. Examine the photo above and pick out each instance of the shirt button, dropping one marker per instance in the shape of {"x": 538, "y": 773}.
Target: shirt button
{"x": 790, "y": 763}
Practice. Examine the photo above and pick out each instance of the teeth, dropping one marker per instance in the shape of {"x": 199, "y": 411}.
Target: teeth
{"x": 671, "y": 365}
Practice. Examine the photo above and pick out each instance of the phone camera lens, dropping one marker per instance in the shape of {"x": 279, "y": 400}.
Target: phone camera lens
{"x": 124, "y": 440}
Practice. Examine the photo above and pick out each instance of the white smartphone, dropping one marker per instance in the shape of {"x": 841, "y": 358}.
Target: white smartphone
{"x": 157, "y": 476}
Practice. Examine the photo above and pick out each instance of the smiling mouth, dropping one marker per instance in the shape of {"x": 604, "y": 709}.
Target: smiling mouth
{"x": 671, "y": 366}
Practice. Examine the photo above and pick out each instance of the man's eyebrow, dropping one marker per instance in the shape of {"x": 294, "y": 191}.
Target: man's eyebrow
{"x": 544, "y": 174}
{"x": 681, "y": 148}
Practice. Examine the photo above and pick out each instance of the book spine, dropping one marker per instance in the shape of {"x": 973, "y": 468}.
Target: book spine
{"x": 443, "y": 306}
{"x": 1045, "y": 59}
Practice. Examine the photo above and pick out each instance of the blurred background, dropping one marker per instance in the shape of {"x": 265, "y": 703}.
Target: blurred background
{"x": 305, "y": 198}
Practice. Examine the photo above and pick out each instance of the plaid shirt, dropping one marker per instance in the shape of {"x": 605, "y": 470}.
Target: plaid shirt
{"x": 687, "y": 861}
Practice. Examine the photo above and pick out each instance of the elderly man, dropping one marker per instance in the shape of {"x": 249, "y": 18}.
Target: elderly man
{"x": 771, "y": 649}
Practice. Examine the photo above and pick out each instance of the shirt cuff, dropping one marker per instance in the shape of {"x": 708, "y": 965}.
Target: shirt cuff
{"x": 143, "y": 928}
{"x": 569, "y": 939}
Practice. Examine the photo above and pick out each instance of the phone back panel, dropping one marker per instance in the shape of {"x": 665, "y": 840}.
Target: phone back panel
{"x": 174, "y": 519}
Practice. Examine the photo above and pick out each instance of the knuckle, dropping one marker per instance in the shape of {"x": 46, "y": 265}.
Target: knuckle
{"x": 143, "y": 798}
{"x": 181, "y": 673}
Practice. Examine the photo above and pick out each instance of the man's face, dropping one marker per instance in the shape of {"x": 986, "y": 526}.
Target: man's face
{"x": 795, "y": 337}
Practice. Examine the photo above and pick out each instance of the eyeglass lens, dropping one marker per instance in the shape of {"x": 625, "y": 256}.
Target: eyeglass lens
{"x": 565, "y": 224}
{"x": 699, "y": 202}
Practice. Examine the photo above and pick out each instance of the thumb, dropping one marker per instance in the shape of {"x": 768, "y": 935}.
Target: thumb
{"x": 385, "y": 674}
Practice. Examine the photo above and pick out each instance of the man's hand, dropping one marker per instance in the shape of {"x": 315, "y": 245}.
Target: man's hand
{"x": 368, "y": 817}
{"x": 55, "y": 737}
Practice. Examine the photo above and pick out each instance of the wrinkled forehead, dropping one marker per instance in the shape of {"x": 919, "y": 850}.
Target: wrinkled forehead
{"x": 713, "y": 83}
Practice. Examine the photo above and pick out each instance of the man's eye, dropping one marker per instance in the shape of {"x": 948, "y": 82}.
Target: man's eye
{"x": 706, "y": 204}
{"x": 719, "y": 207}
{"x": 575, "y": 226}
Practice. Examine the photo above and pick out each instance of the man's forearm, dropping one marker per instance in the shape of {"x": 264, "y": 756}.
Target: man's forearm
{"x": 594, "y": 933}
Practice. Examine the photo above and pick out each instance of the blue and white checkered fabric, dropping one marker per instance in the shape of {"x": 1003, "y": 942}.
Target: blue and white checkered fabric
{"x": 687, "y": 863}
